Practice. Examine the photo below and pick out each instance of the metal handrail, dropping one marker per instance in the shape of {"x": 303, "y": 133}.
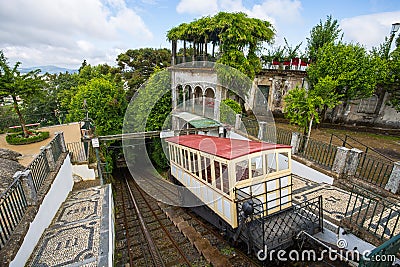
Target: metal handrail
{"x": 368, "y": 148}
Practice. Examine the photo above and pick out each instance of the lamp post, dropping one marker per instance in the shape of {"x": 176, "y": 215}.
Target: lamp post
{"x": 87, "y": 131}
{"x": 395, "y": 28}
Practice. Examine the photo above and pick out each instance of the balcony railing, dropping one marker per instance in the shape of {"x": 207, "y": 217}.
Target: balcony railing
{"x": 24, "y": 189}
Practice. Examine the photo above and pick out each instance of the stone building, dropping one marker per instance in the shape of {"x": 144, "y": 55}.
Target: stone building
{"x": 196, "y": 90}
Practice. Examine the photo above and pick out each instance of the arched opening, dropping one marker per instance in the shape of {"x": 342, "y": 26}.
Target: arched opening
{"x": 198, "y": 100}
{"x": 179, "y": 96}
{"x": 209, "y": 103}
{"x": 188, "y": 98}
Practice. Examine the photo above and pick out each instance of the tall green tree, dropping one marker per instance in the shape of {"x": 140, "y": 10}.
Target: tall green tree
{"x": 321, "y": 34}
{"x": 17, "y": 85}
{"x": 69, "y": 83}
{"x": 302, "y": 106}
{"x": 45, "y": 106}
{"x": 136, "y": 65}
{"x": 105, "y": 102}
{"x": 389, "y": 66}
{"x": 354, "y": 70}
{"x": 238, "y": 37}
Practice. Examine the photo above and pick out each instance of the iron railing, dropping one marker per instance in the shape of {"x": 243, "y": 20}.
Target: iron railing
{"x": 322, "y": 153}
{"x": 56, "y": 147}
{"x": 283, "y": 136}
{"x": 40, "y": 170}
{"x": 13, "y": 205}
{"x": 374, "y": 170}
{"x": 278, "y": 225}
{"x": 373, "y": 167}
{"x": 14, "y": 200}
{"x": 182, "y": 59}
{"x": 250, "y": 126}
{"x": 372, "y": 213}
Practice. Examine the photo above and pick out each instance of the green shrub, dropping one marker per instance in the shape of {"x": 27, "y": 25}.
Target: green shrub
{"x": 228, "y": 110}
{"x": 19, "y": 139}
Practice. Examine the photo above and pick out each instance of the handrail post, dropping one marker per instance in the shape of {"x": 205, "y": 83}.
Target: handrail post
{"x": 295, "y": 142}
{"x": 339, "y": 162}
{"x": 262, "y": 130}
{"x": 353, "y": 161}
{"x": 49, "y": 155}
{"x": 393, "y": 185}
{"x": 238, "y": 121}
{"x": 62, "y": 141}
{"x": 27, "y": 186}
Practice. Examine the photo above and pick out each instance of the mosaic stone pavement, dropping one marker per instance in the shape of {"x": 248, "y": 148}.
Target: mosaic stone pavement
{"x": 389, "y": 220}
{"x": 336, "y": 201}
{"x": 74, "y": 235}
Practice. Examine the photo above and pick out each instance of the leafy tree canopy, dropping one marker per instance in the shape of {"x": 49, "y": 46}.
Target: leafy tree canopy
{"x": 15, "y": 84}
{"x": 354, "y": 70}
{"x": 393, "y": 78}
{"x": 151, "y": 104}
{"x": 138, "y": 64}
{"x": 302, "y": 107}
{"x": 321, "y": 34}
{"x": 106, "y": 104}
{"x": 388, "y": 67}
{"x": 239, "y": 38}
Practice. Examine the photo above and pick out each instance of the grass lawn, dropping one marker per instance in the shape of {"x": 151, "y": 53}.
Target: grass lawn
{"x": 384, "y": 143}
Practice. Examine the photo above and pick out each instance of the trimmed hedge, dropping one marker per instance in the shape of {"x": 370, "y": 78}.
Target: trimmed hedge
{"x": 19, "y": 139}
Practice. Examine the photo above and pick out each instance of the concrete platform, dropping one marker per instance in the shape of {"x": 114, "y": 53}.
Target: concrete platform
{"x": 82, "y": 232}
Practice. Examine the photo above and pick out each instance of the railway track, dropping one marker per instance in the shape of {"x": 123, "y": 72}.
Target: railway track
{"x": 146, "y": 237}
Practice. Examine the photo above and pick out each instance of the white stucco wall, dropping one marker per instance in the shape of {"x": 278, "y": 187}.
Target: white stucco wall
{"x": 84, "y": 172}
{"x": 57, "y": 194}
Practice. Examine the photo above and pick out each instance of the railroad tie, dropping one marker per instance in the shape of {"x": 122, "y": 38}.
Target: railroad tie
{"x": 202, "y": 244}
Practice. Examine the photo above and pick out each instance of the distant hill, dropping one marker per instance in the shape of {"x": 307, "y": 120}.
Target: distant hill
{"x": 48, "y": 69}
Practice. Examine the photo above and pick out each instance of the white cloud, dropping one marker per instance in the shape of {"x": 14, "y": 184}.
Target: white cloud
{"x": 284, "y": 10}
{"x": 288, "y": 10}
{"x": 369, "y": 30}
{"x": 197, "y": 7}
{"x": 34, "y": 31}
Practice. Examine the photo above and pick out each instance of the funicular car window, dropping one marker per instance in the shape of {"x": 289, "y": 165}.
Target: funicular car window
{"x": 242, "y": 170}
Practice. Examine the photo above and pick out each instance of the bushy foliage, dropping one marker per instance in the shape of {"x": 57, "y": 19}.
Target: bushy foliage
{"x": 302, "y": 107}
{"x": 137, "y": 65}
{"x": 151, "y": 105}
{"x": 228, "y": 110}
{"x": 239, "y": 38}
{"x": 20, "y": 139}
{"x": 321, "y": 34}
{"x": 105, "y": 102}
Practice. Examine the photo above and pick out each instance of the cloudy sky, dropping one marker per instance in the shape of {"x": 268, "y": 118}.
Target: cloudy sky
{"x": 65, "y": 32}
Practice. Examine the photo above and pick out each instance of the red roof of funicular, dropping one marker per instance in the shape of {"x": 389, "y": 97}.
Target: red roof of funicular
{"x": 223, "y": 147}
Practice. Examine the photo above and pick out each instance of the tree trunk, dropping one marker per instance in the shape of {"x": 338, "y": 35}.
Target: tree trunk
{"x": 213, "y": 49}
{"x": 184, "y": 51}
{"x": 309, "y": 132}
{"x": 334, "y": 114}
{"x": 205, "y": 48}
{"x": 194, "y": 51}
{"x": 342, "y": 115}
{"x": 20, "y": 117}
{"x": 324, "y": 113}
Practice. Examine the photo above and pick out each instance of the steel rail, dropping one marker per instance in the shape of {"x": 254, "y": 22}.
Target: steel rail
{"x": 174, "y": 243}
{"x": 155, "y": 254}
